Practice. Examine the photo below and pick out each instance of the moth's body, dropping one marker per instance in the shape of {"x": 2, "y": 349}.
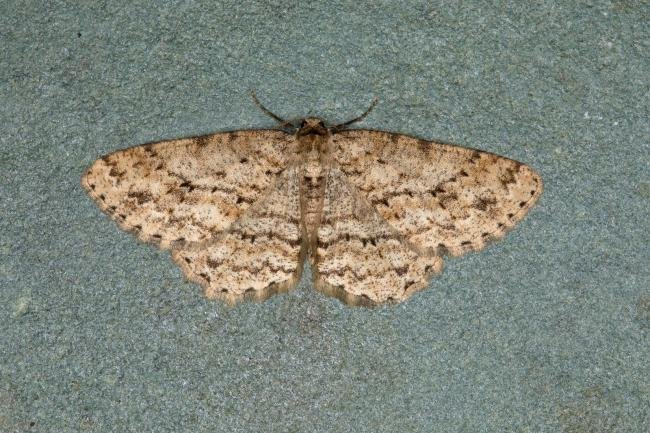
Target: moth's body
{"x": 374, "y": 212}
{"x": 314, "y": 146}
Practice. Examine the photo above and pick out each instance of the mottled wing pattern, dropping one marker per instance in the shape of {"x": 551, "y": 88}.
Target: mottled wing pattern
{"x": 259, "y": 255}
{"x": 358, "y": 256}
{"x": 191, "y": 189}
{"x": 443, "y": 199}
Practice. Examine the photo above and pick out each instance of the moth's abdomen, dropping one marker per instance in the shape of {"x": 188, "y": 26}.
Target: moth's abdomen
{"x": 312, "y": 186}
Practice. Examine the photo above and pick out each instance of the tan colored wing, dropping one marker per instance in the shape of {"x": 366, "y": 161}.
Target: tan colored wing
{"x": 191, "y": 189}
{"x": 441, "y": 198}
{"x": 359, "y": 257}
{"x": 259, "y": 255}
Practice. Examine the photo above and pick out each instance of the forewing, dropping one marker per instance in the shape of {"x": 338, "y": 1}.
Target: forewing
{"x": 442, "y": 198}
{"x": 259, "y": 255}
{"x": 358, "y": 256}
{"x": 191, "y": 189}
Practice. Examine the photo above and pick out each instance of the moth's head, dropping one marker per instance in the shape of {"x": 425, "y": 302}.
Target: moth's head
{"x": 312, "y": 126}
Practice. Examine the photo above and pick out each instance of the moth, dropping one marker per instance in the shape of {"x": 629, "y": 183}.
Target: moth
{"x": 373, "y": 212}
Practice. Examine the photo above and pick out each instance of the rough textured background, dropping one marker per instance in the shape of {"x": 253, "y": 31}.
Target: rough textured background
{"x": 545, "y": 331}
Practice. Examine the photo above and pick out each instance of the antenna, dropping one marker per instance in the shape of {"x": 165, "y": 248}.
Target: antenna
{"x": 283, "y": 123}
{"x": 356, "y": 119}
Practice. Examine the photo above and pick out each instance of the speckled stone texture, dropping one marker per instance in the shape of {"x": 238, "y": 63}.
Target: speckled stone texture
{"x": 545, "y": 331}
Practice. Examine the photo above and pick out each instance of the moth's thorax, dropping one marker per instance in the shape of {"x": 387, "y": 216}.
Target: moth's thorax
{"x": 313, "y": 136}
